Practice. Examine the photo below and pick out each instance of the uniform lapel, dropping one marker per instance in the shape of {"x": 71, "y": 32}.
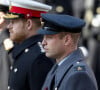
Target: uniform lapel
{"x": 48, "y": 81}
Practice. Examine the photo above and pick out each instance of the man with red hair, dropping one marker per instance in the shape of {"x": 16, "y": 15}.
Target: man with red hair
{"x": 30, "y": 63}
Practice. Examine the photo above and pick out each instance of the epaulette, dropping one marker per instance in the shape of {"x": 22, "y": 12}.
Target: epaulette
{"x": 79, "y": 67}
{"x": 41, "y": 47}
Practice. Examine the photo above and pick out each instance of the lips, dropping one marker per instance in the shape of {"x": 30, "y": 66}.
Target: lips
{"x": 45, "y": 49}
{"x": 10, "y": 31}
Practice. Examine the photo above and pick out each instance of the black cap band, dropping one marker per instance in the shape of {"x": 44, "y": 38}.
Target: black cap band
{"x": 53, "y": 27}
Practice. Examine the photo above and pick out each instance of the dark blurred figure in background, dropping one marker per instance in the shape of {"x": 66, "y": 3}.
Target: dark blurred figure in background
{"x": 61, "y": 6}
{"x": 69, "y": 7}
{"x": 91, "y": 36}
{"x": 5, "y": 60}
{"x": 94, "y": 42}
{"x": 94, "y": 53}
{"x": 78, "y": 8}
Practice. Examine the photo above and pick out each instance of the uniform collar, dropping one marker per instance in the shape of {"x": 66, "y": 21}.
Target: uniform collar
{"x": 27, "y": 43}
{"x": 63, "y": 60}
{"x": 73, "y": 58}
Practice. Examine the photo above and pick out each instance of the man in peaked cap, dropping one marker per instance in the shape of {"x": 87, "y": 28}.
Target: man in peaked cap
{"x": 5, "y": 60}
{"x": 61, "y": 35}
{"x": 30, "y": 63}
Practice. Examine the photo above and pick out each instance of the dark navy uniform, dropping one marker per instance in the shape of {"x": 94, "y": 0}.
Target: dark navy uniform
{"x": 30, "y": 65}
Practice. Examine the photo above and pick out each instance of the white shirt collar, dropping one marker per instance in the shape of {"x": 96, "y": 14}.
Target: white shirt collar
{"x": 63, "y": 60}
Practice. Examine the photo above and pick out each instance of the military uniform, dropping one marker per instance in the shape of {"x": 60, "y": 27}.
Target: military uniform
{"x": 73, "y": 74}
{"x": 30, "y": 65}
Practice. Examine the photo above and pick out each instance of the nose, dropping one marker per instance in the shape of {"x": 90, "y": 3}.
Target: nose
{"x": 9, "y": 25}
{"x": 44, "y": 42}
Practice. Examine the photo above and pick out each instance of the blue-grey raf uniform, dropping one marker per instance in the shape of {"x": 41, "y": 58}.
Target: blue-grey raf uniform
{"x": 73, "y": 73}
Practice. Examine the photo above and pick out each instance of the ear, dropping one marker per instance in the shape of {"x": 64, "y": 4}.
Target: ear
{"x": 29, "y": 24}
{"x": 67, "y": 39}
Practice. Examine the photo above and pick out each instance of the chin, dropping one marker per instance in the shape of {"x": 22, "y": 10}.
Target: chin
{"x": 49, "y": 55}
{"x": 11, "y": 38}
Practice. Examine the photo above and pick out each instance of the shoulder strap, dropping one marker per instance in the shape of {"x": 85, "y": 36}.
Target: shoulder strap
{"x": 58, "y": 85}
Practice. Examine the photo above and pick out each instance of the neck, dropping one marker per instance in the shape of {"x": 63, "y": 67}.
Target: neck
{"x": 65, "y": 55}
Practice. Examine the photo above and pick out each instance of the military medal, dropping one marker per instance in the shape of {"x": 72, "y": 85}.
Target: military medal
{"x": 8, "y": 44}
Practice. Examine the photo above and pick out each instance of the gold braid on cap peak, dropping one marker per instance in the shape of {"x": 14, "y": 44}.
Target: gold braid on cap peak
{"x": 11, "y": 16}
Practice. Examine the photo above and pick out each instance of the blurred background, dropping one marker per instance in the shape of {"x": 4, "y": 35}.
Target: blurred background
{"x": 89, "y": 10}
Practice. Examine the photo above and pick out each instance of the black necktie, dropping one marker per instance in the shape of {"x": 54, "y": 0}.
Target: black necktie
{"x": 53, "y": 74}
{"x": 54, "y": 68}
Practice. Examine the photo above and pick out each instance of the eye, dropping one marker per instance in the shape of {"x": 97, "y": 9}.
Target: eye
{"x": 49, "y": 36}
{"x": 12, "y": 21}
{"x": 7, "y": 21}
